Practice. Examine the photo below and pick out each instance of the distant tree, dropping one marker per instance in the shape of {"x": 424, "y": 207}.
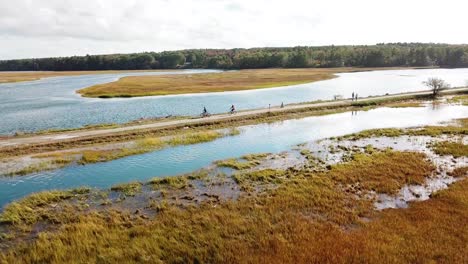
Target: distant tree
{"x": 144, "y": 61}
{"x": 436, "y": 85}
{"x": 171, "y": 60}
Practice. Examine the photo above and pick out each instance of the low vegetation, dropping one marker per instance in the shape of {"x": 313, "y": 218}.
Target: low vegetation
{"x": 245, "y": 162}
{"x": 459, "y": 172}
{"x": 405, "y": 104}
{"x": 202, "y": 83}
{"x": 460, "y": 128}
{"x": 174, "y": 182}
{"x": 128, "y": 189}
{"x": 456, "y": 149}
{"x": 383, "y": 172}
{"x": 309, "y": 218}
{"x": 460, "y": 99}
{"x": 40, "y": 166}
{"x": 261, "y": 176}
{"x": 31, "y": 209}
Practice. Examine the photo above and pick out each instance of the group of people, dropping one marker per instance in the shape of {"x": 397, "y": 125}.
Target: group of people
{"x": 233, "y": 109}
{"x": 354, "y": 97}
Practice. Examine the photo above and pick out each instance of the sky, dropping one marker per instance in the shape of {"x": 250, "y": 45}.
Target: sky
{"x": 32, "y": 28}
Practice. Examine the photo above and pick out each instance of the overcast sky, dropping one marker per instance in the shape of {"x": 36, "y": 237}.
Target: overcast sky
{"x": 31, "y": 28}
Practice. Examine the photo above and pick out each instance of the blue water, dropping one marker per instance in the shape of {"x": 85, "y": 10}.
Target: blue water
{"x": 274, "y": 137}
{"x": 52, "y": 102}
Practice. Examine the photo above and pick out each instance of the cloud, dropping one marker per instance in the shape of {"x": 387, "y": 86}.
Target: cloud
{"x": 63, "y": 27}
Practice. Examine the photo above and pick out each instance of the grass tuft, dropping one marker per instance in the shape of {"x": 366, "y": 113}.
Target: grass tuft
{"x": 128, "y": 189}
{"x": 456, "y": 149}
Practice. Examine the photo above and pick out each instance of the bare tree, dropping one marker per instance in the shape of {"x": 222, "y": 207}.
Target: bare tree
{"x": 436, "y": 85}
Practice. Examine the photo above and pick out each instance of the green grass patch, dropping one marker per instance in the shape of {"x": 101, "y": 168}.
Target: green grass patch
{"x": 460, "y": 99}
{"x": 129, "y": 189}
{"x": 31, "y": 209}
{"x": 177, "y": 182}
{"x": 456, "y": 149}
{"x": 263, "y": 176}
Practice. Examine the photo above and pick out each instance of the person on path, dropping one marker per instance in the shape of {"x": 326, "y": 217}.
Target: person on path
{"x": 352, "y": 97}
{"x": 282, "y": 105}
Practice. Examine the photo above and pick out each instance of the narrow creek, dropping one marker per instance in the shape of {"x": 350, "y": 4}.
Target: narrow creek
{"x": 275, "y": 137}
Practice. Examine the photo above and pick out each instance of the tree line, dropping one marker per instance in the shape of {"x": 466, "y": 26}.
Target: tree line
{"x": 380, "y": 55}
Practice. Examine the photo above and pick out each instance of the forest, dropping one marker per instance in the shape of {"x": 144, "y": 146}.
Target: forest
{"x": 380, "y": 55}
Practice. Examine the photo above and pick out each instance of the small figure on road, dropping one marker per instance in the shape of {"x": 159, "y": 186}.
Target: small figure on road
{"x": 352, "y": 97}
{"x": 233, "y": 109}
{"x": 282, "y": 105}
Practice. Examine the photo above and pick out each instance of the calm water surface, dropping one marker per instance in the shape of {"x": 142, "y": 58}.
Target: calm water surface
{"x": 53, "y": 103}
{"x": 275, "y": 137}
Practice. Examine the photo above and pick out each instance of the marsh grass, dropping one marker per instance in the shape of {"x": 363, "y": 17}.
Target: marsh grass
{"x": 384, "y": 172}
{"x": 245, "y": 162}
{"x": 177, "y": 182}
{"x": 460, "y": 99}
{"x": 150, "y": 144}
{"x": 32, "y": 208}
{"x": 262, "y": 176}
{"x": 194, "y": 138}
{"x": 455, "y": 149}
{"x": 307, "y": 219}
{"x": 209, "y": 82}
{"x": 42, "y": 166}
{"x": 459, "y": 172}
{"x": 128, "y": 189}
{"x": 432, "y": 131}
{"x": 405, "y": 104}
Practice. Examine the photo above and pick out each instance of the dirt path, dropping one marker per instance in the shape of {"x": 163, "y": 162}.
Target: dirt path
{"x": 57, "y": 137}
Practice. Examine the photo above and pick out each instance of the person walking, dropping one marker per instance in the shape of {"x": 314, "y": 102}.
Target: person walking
{"x": 352, "y": 97}
{"x": 282, "y": 105}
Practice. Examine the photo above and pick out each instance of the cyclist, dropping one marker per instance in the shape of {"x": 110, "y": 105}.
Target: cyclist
{"x": 205, "y": 112}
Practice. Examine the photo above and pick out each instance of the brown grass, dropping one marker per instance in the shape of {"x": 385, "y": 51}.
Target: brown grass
{"x": 209, "y": 82}
{"x": 384, "y": 172}
{"x": 459, "y": 172}
{"x": 20, "y": 76}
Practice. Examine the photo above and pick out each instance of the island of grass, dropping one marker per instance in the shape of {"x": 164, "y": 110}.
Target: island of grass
{"x": 135, "y": 86}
